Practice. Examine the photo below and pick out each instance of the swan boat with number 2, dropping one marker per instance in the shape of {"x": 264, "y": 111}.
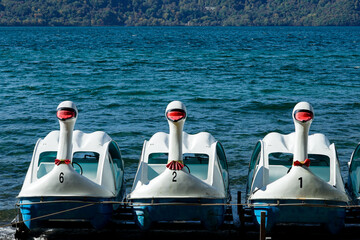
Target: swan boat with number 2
{"x": 71, "y": 173}
{"x": 178, "y": 173}
{"x": 296, "y": 178}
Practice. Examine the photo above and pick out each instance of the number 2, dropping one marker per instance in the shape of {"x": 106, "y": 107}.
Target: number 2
{"x": 174, "y": 174}
{"x": 301, "y": 182}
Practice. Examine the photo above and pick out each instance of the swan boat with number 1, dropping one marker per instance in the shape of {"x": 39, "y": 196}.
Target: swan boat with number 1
{"x": 178, "y": 173}
{"x": 296, "y": 178}
{"x": 71, "y": 173}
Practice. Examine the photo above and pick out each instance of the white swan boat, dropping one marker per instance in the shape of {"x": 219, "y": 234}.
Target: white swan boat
{"x": 178, "y": 173}
{"x": 353, "y": 183}
{"x": 71, "y": 176}
{"x": 296, "y": 178}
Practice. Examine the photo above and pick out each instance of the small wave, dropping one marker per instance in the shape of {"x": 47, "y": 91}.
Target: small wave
{"x": 125, "y": 134}
{"x": 265, "y": 105}
{"x": 101, "y": 61}
{"x": 204, "y": 100}
{"x": 105, "y": 87}
{"x": 110, "y": 69}
{"x": 270, "y": 90}
{"x": 134, "y": 63}
{"x": 112, "y": 105}
{"x": 293, "y": 67}
{"x": 136, "y": 93}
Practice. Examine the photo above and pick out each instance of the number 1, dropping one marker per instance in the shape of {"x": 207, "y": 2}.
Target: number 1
{"x": 300, "y": 179}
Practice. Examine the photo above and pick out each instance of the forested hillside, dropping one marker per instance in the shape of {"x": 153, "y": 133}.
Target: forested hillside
{"x": 179, "y": 12}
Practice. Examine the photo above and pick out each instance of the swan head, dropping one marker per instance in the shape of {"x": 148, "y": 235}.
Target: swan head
{"x": 176, "y": 112}
{"x": 67, "y": 114}
{"x": 67, "y": 111}
{"x": 303, "y": 113}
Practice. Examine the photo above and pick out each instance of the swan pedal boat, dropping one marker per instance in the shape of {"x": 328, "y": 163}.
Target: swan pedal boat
{"x": 353, "y": 183}
{"x": 71, "y": 176}
{"x": 296, "y": 178}
{"x": 180, "y": 177}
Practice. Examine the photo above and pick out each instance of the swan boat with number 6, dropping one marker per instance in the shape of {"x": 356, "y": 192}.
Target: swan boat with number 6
{"x": 180, "y": 177}
{"x": 71, "y": 176}
{"x": 296, "y": 178}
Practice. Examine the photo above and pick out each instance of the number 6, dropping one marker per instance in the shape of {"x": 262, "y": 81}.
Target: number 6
{"x": 61, "y": 177}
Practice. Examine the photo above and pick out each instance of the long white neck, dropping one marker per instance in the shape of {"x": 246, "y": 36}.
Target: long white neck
{"x": 65, "y": 140}
{"x": 301, "y": 141}
{"x": 175, "y": 141}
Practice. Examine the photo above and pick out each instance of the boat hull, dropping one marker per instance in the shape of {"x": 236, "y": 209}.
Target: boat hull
{"x": 51, "y": 211}
{"x": 147, "y": 211}
{"x": 328, "y": 213}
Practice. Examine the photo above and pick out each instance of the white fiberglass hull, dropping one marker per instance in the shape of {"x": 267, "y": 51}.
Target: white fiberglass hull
{"x": 300, "y": 197}
{"x": 300, "y": 183}
{"x": 64, "y": 181}
{"x": 65, "y": 195}
{"x": 178, "y": 196}
{"x": 175, "y": 184}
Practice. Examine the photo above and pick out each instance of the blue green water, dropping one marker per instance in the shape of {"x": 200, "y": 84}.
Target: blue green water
{"x": 237, "y": 83}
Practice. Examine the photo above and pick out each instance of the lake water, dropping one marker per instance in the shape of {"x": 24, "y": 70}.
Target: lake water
{"x": 237, "y": 83}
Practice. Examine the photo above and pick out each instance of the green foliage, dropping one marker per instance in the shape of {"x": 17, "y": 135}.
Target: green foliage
{"x": 179, "y": 12}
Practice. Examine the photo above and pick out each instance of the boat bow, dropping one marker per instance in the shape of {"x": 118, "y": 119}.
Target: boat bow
{"x": 176, "y": 184}
{"x": 301, "y": 184}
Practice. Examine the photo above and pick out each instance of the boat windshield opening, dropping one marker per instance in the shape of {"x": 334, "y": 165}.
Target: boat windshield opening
{"x": 196, "y": 162}
{"x": 47, "y": 157}
{"x": 254, "y": 161}
{"x": 158, "y": 158}
{"x": 320, "y": 166}
{"x": 279, "y": 164}
{"x": 116, "y": 163}
{"x": 195, "y": 158}
{"x": 86, "y": 163}
{"x": 355, "y": 161}
{"x": 46, "y": 163}
{"x": 354, "y": 173}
